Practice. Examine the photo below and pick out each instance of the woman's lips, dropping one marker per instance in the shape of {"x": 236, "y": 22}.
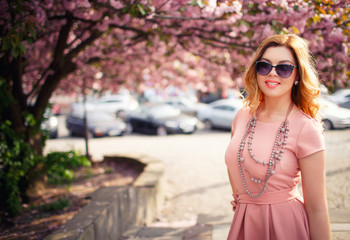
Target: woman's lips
{"x": 272, "y": 84}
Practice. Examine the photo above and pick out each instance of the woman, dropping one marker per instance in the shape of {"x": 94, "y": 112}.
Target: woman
{"x": 276, "y": 140}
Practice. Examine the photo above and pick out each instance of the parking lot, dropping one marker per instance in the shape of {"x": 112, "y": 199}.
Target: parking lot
{"x": 196, "y": 176}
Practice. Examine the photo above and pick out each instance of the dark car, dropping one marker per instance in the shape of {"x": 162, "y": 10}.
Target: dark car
{"x": 160, "y": 119}
{"x": 99, "y": 124}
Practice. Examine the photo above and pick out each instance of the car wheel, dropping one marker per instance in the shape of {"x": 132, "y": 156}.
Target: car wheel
{"x": 327, "y": 124}
{"x": 161, "y": 131}
{"x": 208, "y": 125}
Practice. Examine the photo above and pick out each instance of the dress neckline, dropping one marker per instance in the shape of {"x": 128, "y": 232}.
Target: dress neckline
{"x": 280, "y": 121}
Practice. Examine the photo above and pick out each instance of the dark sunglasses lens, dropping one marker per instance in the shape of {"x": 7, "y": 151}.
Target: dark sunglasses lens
{"x": 284, "y": 70}
{"x": 263, "y": 68}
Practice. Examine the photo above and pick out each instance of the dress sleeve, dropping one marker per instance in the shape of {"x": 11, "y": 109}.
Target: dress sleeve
{"x": 310, "y": 139}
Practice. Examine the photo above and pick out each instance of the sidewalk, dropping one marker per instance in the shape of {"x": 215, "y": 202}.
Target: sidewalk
{"x": 210, "y": 227}
{"x": 197, "y": 184}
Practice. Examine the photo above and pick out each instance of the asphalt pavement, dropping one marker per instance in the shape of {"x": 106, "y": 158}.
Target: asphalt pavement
{"x": 197, "y": 189}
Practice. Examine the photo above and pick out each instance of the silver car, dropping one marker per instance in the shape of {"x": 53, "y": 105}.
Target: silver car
{"x": 220, "y": 113}
{"x": 334, "y": 116}
{"x": 340, "y": 96}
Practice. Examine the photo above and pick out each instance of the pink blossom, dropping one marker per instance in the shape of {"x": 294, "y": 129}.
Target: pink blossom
{"x": 116, "y": 4}
{"x": 69, "y": 5}
{"x": 94, "y": 15}
{"x": 48, "y": 4}
{"x": 336, "y": 36}
{"x": 167, "y": 35}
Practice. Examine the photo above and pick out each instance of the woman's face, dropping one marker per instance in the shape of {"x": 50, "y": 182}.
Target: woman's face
{"x": 272, "y": 85}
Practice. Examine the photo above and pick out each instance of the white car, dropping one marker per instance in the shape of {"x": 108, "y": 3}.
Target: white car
{"x": 185, "y": 105}
{"x": 220, "y": 113}
{"x": 340, "y": 96}
{"x": 334, "y": 116}
{"x": 117, "y": 104}
{"x": 50, "y": 124}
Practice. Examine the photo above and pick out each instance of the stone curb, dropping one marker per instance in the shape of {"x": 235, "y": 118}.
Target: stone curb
{"x": 114, "y": 210}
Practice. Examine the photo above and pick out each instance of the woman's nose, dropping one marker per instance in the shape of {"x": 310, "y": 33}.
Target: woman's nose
{"x": 273, "y": 72}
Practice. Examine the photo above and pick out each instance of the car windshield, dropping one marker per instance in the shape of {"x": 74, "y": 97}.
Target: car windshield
{"x": 180, "y": 101}
{"x": 111, "y": 101}
{"x": 162, "y": 111}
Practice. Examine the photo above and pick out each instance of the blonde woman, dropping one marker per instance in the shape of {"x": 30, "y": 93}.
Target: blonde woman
{"x": 277, "y": 140}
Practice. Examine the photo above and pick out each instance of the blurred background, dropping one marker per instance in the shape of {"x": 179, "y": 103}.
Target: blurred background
{"x": 162, "y": 78}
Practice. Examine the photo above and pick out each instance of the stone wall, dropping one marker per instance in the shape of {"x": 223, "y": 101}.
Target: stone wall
{"x": 114, "y": 210}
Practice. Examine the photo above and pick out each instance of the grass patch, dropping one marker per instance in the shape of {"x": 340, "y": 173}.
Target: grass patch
{"x": 58, "y": 205}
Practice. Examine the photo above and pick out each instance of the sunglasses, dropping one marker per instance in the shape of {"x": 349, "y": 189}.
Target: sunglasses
{"x": 283, "y": 70}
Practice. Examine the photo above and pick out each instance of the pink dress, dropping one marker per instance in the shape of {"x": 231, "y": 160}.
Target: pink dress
{"x": 279, "y": 213}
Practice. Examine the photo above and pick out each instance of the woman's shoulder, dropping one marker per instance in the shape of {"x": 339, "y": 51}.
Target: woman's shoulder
{"x": 308, "y": 134}
{"x": 304, "y": 120}
{"x": 243, "y": 112}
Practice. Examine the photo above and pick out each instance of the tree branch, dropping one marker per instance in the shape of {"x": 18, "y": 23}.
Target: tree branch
{"x": 58, "y": 65}
{"x": 95, "y": 34}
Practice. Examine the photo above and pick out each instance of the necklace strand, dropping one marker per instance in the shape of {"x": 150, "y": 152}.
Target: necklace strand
{"x": 275, "y": 158}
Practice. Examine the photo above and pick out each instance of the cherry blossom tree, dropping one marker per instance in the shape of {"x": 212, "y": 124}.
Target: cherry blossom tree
{"x": 52, "y": 46}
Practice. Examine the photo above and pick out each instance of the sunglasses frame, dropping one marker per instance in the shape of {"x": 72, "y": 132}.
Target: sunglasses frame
{"x": 274, "y": 66}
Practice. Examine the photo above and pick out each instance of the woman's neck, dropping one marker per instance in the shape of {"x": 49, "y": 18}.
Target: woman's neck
{"x": 273, "y": 110}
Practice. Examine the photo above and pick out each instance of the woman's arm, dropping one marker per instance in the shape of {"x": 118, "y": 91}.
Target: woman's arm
{"x": 314, "y": 190}
{"x": 234, "y": 191}
{"x": 233, "y": 185}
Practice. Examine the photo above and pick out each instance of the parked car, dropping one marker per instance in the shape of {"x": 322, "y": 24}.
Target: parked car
{"x": 334, "y": 116}
{"x": 160, "y": 119}
{"x": 99, "y": 124}
{"x": 340, "y": 96}
{"x": 185, "y": 105}
{"x": 117, "y": 104}
{"x": 345, "y": 104}
{"x": 50, "y": 123}
{"x": 220, "y": 113}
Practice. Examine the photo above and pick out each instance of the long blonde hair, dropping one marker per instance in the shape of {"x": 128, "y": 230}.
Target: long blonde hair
{"x": 305, "y": 93}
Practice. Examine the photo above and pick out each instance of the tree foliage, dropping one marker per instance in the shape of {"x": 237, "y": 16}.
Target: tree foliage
{"x": 49, "y": 46}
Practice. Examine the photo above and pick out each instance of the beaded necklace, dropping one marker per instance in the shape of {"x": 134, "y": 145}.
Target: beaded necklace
{"x": 276, "y": 155}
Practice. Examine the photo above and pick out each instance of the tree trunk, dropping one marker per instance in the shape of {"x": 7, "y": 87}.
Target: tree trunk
{"x": 36, "y": 176}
